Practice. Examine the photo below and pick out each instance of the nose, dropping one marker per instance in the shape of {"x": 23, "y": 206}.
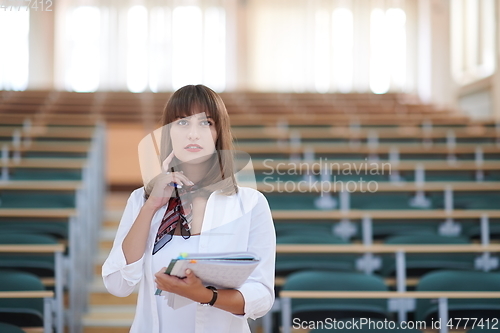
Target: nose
{"x": 194, "y": 132}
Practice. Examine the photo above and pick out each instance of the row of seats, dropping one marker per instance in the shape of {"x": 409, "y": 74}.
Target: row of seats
{"x": 244, "y": 108}
{"x": 394, "y": 200}
{"x": 304, "y": 267}
{"x": 50, "y": 215}
{"x": 416, "y": 264}
{"x": 425, "y": 310}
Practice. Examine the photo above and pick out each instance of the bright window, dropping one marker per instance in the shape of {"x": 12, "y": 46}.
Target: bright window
{"x": 214, "y": 66}
{"x": 137, "y": 49}
{"x": 388, "y": 49}
{"x": 83, "y": 67}
{"x": 342, "y": 58}
{"x": 14, "y": 58}
{"x": 322, "y": 52}
{"x": 187, "y": 46}
{"x": 160, "y": 43}
{"x": 472, "y": 39}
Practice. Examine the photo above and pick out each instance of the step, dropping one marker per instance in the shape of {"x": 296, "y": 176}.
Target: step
{"x": 112, "y": 217}
{"x": 99, "y": 261}
{"x": 116, "y": 200}
{"x": 101, "y": 329}
{"x": 109, "y": 319}
{"x": 114, "y": 214}
{"x": 108, "y": 313}
{"x": 106, "y": 238}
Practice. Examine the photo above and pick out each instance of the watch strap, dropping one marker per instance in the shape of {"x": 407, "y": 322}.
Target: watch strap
{"x": 214, "y": 296}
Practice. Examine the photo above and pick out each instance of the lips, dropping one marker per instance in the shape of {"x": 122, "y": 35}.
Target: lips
{"x": 193, "y": 148}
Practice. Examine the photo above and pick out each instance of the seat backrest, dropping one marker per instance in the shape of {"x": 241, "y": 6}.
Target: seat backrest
{"x": 19, "y": 281}
{"x": 448, "y": 280}
{"x": 25, "y": 238}
{"x": 8, "y": 328}
{"x": 331, "y": 281}
{"x": 459, "y": 281}
{"x": 318, "y": 238}
{"x": 337, "y": 281}
{"x": 427, "y": 238}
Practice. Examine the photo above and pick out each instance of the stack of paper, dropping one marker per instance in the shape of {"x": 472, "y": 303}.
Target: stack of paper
{"x": 221, "y": 270}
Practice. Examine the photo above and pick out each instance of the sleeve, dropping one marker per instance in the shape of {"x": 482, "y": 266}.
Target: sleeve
{"x": 119, "y": 278}
{"x": 258, "y": 289}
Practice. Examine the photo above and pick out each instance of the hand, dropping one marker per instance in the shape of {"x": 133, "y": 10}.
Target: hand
{"x": 189, "y": 287}
{"x": 162, "y": 188}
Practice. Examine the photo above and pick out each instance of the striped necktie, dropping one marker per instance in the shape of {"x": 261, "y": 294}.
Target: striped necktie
{"x": 176, "y": 212}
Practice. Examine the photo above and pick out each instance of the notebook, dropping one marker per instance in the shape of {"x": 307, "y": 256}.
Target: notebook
{"x": 222, "y": 270}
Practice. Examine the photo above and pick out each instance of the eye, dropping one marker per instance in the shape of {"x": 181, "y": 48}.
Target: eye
{"x": 206, "y": 123}
{"x": 182, "y": 122}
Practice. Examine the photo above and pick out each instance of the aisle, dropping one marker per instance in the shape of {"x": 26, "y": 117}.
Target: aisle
{"x": 107, "y": 313}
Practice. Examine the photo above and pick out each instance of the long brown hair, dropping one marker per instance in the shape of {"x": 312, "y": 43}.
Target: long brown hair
{"x": 183, "y": 103}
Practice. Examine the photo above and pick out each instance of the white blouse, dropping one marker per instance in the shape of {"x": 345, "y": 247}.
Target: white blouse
{"x": 239, "y": 222}
{"x": 168, "y": 317}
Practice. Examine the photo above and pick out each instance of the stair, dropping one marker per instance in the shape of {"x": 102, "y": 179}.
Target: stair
{"x": 108, "y": 313}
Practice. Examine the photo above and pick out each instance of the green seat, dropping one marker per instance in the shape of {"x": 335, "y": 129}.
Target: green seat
{"x": 319, "y": 309}
{"x": 471, "y": 200}
{"x": 45, "y": 174}
{"x": 274, "y": 177}
{"x": 37, "y": 199}
{"x": 459, "y": 281}
{"x": 23, "y": 312}
{"x": 292, "y": 201}
{"x": 43, "y": 154}
{"x": 294, "y": 228}
{"x": 57, "y": 230}
{"x": 493, "y": 175}
{"x": 419, "y": 264}
{"x": 287, "y": 263}
{"x": 379, "y": 201}
{"x": 449, "y": 176}
{"x": 8, "y": 328}
{"x": 42, "y": 265}
{"x": 494, "y": 230}
{"x": 387, "y": 228}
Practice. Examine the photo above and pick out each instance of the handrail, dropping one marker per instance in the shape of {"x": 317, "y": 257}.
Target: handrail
{"x": 389, "y": 294}
{"x": 32, "y": 248}
{"x": 386, "y": 248}
{"x": 402, "y": 214}
{"x": 56, "y": 185}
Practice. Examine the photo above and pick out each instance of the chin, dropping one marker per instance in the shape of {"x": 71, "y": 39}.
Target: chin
{"x": 194, "y": 158}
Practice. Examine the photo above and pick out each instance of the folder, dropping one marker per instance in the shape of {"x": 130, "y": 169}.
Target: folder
{"x": 222, "y": 270}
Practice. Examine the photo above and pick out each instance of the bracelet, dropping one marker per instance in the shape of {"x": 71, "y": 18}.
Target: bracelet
{"x": 214, "y": 296}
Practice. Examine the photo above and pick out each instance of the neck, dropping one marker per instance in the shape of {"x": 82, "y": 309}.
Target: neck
{"x": 196, "y": 172}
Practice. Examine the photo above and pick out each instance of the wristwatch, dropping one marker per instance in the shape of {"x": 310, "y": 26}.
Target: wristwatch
{"x": 214, "y": 297}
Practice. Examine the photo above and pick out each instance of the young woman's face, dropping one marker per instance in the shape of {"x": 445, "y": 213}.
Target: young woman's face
{"x": 193, "y": 138}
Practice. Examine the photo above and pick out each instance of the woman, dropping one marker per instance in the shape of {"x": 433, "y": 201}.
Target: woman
{"x": 193, "y": 206}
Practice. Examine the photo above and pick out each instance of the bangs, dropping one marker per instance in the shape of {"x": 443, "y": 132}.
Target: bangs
{"x": 188, "y": 110}
{"x": 191, "y": 100}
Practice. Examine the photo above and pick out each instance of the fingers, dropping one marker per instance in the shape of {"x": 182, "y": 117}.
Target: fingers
{"x": 190, "y": 276}
{"x": 177, "y": 176}
{"x": 165, "y": 281}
